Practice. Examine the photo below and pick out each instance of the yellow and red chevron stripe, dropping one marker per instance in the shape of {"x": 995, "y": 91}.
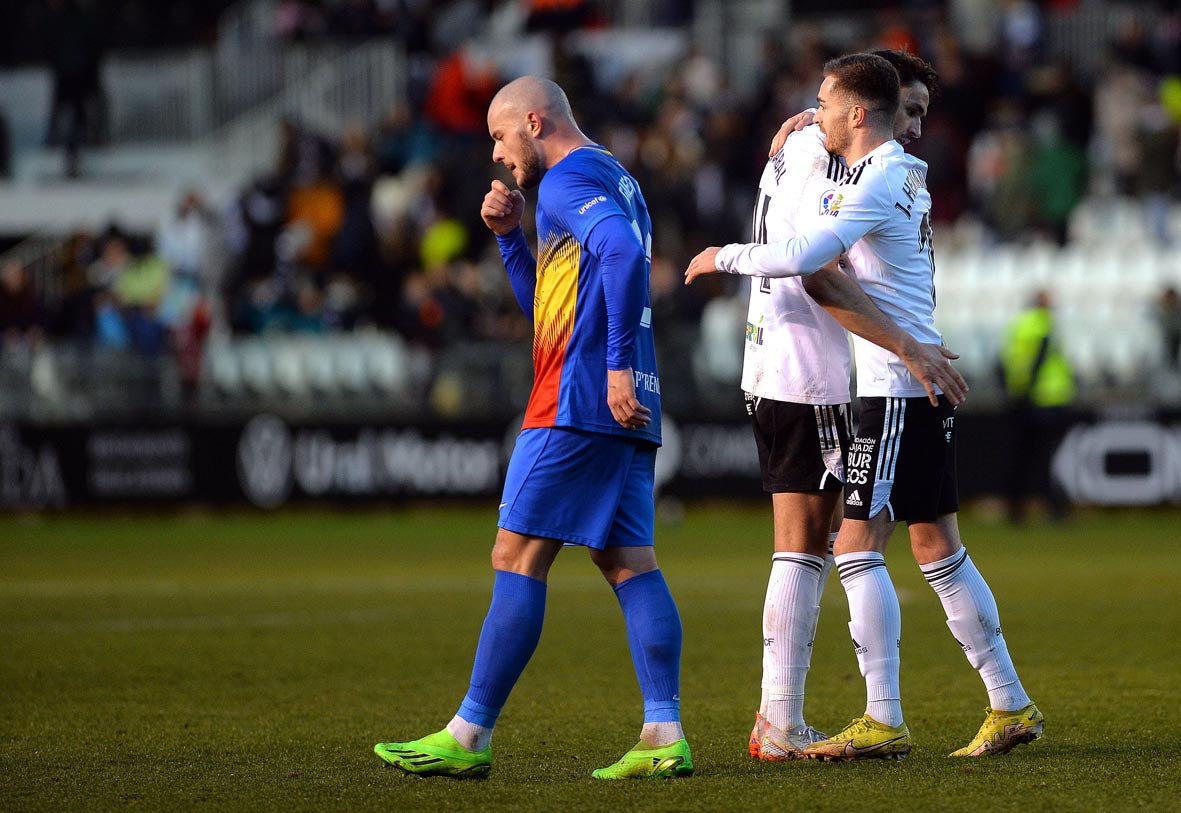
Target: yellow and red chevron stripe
{"x": 553, "y": 321}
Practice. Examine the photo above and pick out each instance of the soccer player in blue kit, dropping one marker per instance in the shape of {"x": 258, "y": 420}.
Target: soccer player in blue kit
{"x": 583, "y": 470}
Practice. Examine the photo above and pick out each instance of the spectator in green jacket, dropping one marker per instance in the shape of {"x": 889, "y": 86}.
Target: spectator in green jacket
{"x": 1039, "y": 383}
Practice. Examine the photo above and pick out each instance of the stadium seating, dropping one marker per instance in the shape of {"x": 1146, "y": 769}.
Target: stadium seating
{"x": 1104, "y": 286}
{"x": 332, "y": 366}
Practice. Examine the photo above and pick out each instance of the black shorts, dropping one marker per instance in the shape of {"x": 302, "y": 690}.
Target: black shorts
{"x": 902, "y": 459}
{"x": 802, "y": 447}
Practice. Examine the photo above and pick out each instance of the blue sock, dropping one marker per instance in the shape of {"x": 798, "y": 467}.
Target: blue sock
{"x": 654, "y": 635}
{"x": 511, "y": 631}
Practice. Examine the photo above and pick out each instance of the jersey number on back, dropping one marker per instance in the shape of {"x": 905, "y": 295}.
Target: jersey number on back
{"x": 759, "y": 232}
{"x": 927, "y": 244}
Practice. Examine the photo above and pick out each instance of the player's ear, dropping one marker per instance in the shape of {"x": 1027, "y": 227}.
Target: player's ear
{"x": 533, "y": 124}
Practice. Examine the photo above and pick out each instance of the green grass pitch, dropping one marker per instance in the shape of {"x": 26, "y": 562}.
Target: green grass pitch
{"x": 246, "y": 661}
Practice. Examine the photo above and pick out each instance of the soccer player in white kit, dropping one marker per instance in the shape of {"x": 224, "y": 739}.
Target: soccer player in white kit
{"x": 795, "y": 375}
{"x": 901, "y": 465}
{"x": 796, "y": 380}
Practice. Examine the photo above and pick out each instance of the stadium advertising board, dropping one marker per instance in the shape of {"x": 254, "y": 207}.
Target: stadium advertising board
{"x": 268, "y": 462}
{"x": 1120, "y": 462}
{"x": 275, "y": 462}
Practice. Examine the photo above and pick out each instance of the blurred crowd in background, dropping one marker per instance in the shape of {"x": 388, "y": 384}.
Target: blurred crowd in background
{"x": 380, "y": 226}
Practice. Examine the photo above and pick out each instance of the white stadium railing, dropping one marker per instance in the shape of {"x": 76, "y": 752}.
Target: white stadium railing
{"x": 358, "y": 85}
{"x": 186, "y": 95}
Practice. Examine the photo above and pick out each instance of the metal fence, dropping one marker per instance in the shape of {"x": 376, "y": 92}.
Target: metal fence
{"x": 359, "y": 85}
{"x": 186, "y": 95}
{"x": 1080, "y": 37}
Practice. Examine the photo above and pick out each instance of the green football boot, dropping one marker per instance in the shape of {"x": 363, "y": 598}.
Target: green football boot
{"x": 436, "y": 755}
{"x": 649, "y": 762}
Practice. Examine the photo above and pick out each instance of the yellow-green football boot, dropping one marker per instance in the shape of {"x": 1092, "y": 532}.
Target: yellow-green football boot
{"x": 864, "y": 738}
{"x": 1003, "y": 731}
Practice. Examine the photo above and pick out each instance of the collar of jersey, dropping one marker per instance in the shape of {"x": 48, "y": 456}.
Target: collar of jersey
{"x": 886, "y": 146}
{"x": 595, "y": 147}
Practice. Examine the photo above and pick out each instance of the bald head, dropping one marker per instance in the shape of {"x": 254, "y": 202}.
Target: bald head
{"x": 533, "y": 93}
{"x": 533, "y": 128}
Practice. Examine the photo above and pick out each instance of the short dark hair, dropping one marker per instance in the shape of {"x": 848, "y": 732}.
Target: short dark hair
{"x": 912, "y": 68}
{"x": 869, "y": 79}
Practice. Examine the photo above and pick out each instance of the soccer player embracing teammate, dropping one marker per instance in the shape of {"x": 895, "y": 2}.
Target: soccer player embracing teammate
{"x": 900, "y": 464}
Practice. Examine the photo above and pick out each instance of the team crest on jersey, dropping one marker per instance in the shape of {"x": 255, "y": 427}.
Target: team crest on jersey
{"x": 830, "y": 204}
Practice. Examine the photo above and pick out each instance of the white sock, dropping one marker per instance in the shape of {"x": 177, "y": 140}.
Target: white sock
{"x": 876, "y": 627}
{"x": 975, "y": 622}
{"x": 789, "y": 624}
{"x": 660, "y": 734}
{"x": 471, "y": 736}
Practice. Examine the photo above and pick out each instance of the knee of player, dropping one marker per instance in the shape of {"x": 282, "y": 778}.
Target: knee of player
{"x": 618, "y": 564}
{"x": 930, "y": 542}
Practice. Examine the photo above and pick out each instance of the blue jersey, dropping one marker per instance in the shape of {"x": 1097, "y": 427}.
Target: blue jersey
{"x": 573, "y": 345}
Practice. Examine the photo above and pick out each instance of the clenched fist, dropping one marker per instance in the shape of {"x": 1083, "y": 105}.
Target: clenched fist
{"x": 502, "y": 208}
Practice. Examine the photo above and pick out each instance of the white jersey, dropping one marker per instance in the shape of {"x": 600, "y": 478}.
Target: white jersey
{"x": 880, "y": 213}
{"x": 883, "y": 218}
{"x": 795, "y": 351}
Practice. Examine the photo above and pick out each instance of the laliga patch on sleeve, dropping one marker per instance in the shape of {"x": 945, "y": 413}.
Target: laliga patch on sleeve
{"x": 830, "y": 204}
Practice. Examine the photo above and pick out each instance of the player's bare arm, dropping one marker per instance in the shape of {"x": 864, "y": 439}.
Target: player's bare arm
{"x": 797, "y": 122}
{"x": 502, "y": 208}
{"x": 621, "y": 399}
{"x": 703, "y": 263}
{"x": 842, "y": 297}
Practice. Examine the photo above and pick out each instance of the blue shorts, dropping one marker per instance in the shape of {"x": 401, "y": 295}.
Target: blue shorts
{"x": 581, "y": 487}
